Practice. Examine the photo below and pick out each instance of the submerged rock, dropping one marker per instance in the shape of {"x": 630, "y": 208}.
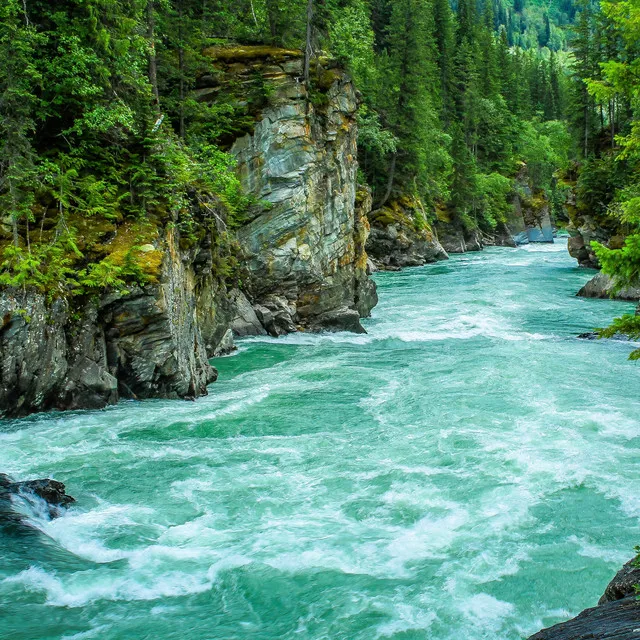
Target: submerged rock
{"x": 51, "y": 492}
{"x": 617, "y": 616}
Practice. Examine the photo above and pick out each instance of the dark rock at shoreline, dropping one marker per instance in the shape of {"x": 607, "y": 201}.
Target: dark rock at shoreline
{"x": 455, "y": 239}
{"x": 592, "y": 335}
{"x": 624, "y": 583}
{"x": 603, "y": 286}
{"x": 617, "y": 616}
{"x": 619, "y": 620}
{"x": 400, "y": 236}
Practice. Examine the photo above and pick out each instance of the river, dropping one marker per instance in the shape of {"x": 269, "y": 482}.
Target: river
{"x": 467, "y": 470}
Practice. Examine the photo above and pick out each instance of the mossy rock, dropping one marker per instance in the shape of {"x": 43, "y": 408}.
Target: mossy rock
{"x": 234, "y": 53}
{"x": 136, "y": 243}
{"x": 326, "y": 78}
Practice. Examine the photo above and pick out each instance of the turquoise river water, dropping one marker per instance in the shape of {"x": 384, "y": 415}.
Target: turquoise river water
{"x": 467, "y": 470}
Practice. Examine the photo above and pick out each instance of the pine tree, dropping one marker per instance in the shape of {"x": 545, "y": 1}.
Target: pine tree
{"x": 445, "y": 47}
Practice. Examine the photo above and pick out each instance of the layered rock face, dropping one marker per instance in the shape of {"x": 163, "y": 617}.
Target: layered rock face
{"x": 586, "y": 227}
{"x": 147, "y": 343}
{"x": 455, "y": 239}
{"x": 584, "y": 230}
{"x": 617, "y": 615}
{"x": 305, "y": 249}
{"x": 401, "y": 237}
{"x": 302, "y": 255}
{"x": 531, "y": 219}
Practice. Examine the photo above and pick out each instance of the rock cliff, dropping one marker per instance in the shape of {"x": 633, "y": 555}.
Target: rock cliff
{"x": 145, "y": 343}
{"x": 302, "y": 256}
{"x": 530, "y": 220}
{"x": 586, "y": 226}
{"x": 305, "y": 248}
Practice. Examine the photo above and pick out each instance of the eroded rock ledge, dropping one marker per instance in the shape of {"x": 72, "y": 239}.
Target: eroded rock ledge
{"x": 617, "y": 616}
{"x": 302, "y": 254}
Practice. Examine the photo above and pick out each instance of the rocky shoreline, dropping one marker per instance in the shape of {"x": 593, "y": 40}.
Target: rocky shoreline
{"x": 305, "y": 255}
{"x": 616, "y": 617}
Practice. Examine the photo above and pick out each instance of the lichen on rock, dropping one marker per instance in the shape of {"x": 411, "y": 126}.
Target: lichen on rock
{"x": 401, "y": 236}
{"x": 304, "y": 249}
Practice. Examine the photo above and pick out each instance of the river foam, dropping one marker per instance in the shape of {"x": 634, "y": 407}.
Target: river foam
{"x": 448, "y": 475}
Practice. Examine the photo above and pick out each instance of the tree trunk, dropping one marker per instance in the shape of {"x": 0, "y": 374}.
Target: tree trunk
{"x": 181, "y": 68}
{"x": 253, "y": 13}
{"x": 153, "y": 63}
{"x": 26, "y": 13}
{"x": 612, "y": 121}
{"x": 308, "y": 51}
{"x": 272, "y": 15}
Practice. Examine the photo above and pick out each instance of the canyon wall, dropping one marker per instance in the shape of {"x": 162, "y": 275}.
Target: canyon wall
{"x": 301, "y": 254}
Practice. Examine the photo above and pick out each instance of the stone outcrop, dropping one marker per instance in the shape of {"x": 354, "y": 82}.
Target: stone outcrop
{"x": 146, "y": 343}
{"x": 579, "y": 244}
{"x": 401, "y": 237}
{"x": 51, "y": 494}
{"x": 304, "y": 250}
{"x": 617, "y": 616}
{"x": 530, "y": 220}
{"x": 455, "y": 239}
{"x": 301, "y": 252}
{"x": 587, "y": 226}
{"x": 603, "y": 286}
{"x": 501, "y": 237}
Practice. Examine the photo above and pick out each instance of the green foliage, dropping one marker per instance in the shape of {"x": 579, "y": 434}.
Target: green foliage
{"x": 626, "y": 325}
{"x": 606, "y": 127}
{"x": 624, "y": 263}
{"x": 494, "y": 190}
{"x": 352, "y": 42}
{"x": 101, "y": 121}
{"x": 544, "y": 146}
{"x": 81, "y": 138}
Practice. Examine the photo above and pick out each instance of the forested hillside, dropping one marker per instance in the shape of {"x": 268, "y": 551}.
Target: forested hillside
{"x": 101, "y": 124}
{"x": 603, "y": 113}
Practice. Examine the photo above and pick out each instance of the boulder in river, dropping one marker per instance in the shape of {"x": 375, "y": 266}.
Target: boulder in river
{"x": 51, "y": 493}
{"x": 603, "y": 286}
